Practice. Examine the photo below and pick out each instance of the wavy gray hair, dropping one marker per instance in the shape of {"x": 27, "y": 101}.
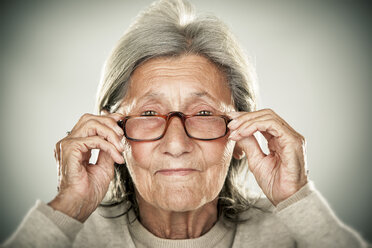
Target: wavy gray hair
{"x": 171, "y": 28}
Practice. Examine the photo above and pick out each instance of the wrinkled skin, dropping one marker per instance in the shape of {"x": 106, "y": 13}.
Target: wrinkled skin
{"x": 183, "y": 202}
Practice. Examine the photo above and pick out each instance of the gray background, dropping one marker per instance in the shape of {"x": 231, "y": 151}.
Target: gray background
{"x": 313, "y": 60}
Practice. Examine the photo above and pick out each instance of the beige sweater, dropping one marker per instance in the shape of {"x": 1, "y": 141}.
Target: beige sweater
{"x": 303, "y": 220}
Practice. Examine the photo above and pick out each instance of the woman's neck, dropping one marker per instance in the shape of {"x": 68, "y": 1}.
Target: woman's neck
{"x": 177, "y": 225}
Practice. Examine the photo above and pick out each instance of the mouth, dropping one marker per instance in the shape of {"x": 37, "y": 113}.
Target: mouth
{"x": 176, "y": 172}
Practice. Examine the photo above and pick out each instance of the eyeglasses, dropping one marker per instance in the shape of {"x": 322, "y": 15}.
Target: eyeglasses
{"x": 150, "y": 128}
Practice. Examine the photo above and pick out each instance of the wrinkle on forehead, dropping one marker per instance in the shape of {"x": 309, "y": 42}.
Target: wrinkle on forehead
{"x": 167, "y": 78}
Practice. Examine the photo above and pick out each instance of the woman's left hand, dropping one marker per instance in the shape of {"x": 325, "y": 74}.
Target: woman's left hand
{"x": 281, "y": 173}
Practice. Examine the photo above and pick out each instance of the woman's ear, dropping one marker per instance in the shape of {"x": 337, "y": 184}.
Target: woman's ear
{"x": 238, "y": 152}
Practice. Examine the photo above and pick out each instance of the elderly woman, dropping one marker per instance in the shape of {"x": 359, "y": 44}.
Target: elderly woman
{"x": 175, "y": 139}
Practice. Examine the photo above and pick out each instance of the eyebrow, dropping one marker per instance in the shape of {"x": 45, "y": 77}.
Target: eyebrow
{"x": 196, "y": 94}
{"x": 150, "y": 95}
{"x": 204, "y": 94}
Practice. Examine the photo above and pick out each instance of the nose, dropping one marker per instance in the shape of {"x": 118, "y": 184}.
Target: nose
{"x": 175, "y": 141}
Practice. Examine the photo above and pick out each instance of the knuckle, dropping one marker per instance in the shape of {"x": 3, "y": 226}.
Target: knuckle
{"x": 108, "y": 127}
{"x": 268, "y": 117}
{"x": 98, "y": 140}
{"x": 101, "y": 144}
{"x": 299, "y": 140}
{"x": 92, "y": 122}
{"x": 57, "y": 145}
{"x": 274, "y": 122}
{"x": 109, "y": 121}
{"x": 268, "y": 110}
{"x": 65, "y": 143}
{"x": 62, "y": 144}
{"x": 92, "y": 130}
{"x": 85, "y": 116}
{"x": 302, "y": 140}
{"x": 271, "y": 112}
{"x": 91, "y": 126}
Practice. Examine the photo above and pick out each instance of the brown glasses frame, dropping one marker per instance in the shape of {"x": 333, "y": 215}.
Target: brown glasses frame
{"x": 168, "y": 117}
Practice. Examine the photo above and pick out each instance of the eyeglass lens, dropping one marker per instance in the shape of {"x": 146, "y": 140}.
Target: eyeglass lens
{"x": 152, "y": 127}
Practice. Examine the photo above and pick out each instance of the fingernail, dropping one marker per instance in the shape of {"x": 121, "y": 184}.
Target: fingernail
{"x": 232, "y": 124}
{"x": 117, "y": 116}
{"x": 121, "y": 146}
{"x": 233, "y": 114}
{"x": 232, "y": 135}
{"x": 122, "y": 161}
{"x": 119, "y": 130}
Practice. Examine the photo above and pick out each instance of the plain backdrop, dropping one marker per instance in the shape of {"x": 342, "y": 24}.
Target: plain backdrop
{"x": 313, "y": 60}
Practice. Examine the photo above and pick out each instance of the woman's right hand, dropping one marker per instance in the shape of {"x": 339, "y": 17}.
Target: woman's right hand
{"x": 82, "y": 186}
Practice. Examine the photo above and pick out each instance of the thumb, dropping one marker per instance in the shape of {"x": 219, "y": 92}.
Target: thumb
{"x": 249, "y": 145}
{"x": 106, "y": 163}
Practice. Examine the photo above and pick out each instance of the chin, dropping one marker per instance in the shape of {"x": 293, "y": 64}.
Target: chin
{"x": 180, "y": 200}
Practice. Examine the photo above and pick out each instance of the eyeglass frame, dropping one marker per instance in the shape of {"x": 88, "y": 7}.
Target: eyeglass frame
{"x": 167, "y": 118}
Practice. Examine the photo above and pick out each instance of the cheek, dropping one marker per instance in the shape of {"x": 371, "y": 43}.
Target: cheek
{"x": 138, "y": 153}
{"x": 215, "y": 159}
{"x": 138, "y": 160}
{"x": 218, "y": 153}
{"x": 218, "y": 159}
{"x": 212, "y": 157}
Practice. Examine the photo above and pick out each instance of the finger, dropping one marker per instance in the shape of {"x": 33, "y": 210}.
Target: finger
{"x": 109, "y": 120}
{"x": 57, "y": 153}
{"x": 238, "y": 118}
{"x": 104, "y": 158}
{"x": 106, "y": 163}
{"x": 279, "y": 118}
{"x": 95, "y": 142}
{"x": 57, "y": 156}
{"x": 241, "y": 117}
{"x": 113, "y": 122}
{"x": 244, "y": 125}
{"x": 284, "y": 138}
{"x": 267, "y": 136}
{"x": 252, "y": 149}
{"x": 269, "y": 126}
{"x": 93, "y": 128}
{"x": 115, "y": 115}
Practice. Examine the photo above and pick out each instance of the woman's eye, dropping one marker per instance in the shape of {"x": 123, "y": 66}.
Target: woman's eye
{"x": 149, "y": 113}
{"x": 204, "y": 112}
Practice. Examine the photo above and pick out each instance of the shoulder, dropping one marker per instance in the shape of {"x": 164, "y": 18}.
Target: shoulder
{"x": 261, "y": 208}
{"x": 106, "y": 227}
{"x": 259, "y": 225}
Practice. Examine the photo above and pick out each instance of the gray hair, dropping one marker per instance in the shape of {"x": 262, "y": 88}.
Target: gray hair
{"x": 170, "y": 28}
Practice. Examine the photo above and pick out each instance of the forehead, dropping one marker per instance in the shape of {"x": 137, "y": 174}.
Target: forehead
{"x": 179, "y": 77}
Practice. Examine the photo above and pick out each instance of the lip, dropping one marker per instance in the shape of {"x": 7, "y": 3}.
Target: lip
{"x": 176, "y": 172}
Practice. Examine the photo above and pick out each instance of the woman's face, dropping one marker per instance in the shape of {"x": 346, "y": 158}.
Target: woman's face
{"x": 177, "y": 173}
